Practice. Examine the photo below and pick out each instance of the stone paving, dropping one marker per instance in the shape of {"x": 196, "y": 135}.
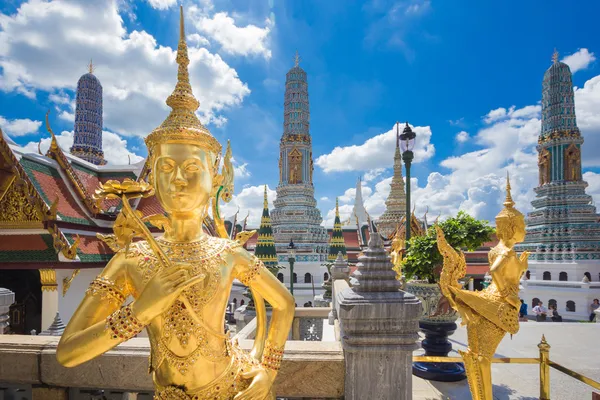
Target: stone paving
{"x": 573, "y": 345}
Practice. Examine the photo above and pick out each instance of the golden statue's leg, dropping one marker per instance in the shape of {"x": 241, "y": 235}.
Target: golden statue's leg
{"x": 484, "y": 337}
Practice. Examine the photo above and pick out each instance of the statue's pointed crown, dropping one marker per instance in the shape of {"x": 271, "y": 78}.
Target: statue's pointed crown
{"x": 509, "y": 211}
{"x": 182, "y": 125}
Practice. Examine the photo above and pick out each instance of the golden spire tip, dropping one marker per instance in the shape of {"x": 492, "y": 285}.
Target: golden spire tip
{"x": 508, "y": 202}
{"x": 265, "y": 201}
{"x": 555, "y": 56}
{"x": 337, "y": 207}
{"x": 91, "y": 67}
{"x": 181, "y": 24}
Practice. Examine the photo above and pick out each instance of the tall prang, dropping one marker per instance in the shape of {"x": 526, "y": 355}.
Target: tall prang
{"x": 87, "y": 137}
{"x": 295, "y": 215}
{"x": 395, "y": 205}
{"x": 563, "y": 233}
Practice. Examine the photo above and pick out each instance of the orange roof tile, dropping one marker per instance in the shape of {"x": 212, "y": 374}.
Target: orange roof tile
{"x": 22, "y": 243}
{"x": 52, "y": 187}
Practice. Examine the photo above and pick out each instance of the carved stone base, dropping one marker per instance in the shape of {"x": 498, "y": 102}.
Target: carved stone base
{"x": 436, "y": 344}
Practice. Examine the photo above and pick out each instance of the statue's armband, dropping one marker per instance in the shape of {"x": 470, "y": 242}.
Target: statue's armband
{"x": 106, "y": 289}
{"x": 248, "y": 272}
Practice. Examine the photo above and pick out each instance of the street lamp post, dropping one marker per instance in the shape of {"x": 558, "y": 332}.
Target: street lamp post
{"x": 291, "y": 260}
{"x": 407, "y": 143}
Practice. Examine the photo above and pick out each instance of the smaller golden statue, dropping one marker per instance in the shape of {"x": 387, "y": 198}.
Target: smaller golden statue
{"x": 492, "y": 312}
{"x": 397, "y": 253}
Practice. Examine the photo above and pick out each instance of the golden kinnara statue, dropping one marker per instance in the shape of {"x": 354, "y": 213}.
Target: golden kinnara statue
{"x": 180, "y": 282}
{"x": 492, "y": 312}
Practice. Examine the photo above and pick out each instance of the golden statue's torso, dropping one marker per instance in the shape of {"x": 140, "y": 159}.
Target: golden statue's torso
{"x": 183, "y": 350}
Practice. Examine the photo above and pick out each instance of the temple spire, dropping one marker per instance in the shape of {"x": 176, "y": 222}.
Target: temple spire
{"x": 555, "y": 56}
{"x": 508, "y": 202}
{"x": 91, "y": 67}
{"x": 297, "y": 59}
{"x": 265, "y": 246}
{"x": 336, "y": 242}
{"x": 395, "y": 205}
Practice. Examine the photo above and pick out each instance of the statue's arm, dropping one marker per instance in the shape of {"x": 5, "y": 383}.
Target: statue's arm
{"x": 252, "y": 272}
{"x": 87, "y": 334}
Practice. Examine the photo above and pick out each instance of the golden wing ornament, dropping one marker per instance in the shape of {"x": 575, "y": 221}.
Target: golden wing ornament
{"x": 455, "y": 266}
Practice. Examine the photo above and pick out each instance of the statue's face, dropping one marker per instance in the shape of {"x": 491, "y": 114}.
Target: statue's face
{"x": 183, "y": 177}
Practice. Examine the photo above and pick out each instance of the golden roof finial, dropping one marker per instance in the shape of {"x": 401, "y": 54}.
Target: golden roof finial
{"x": 182, "y": 124}
{"x": 265, "y": 201}
{"x": 508, "y": 202}
{"x": 337, "y": 208}
{"x": 397, "y": 135}
{"x": 297, "y": 59}
{"x": 555, "y": 56}
{"x": 91, "y": 67}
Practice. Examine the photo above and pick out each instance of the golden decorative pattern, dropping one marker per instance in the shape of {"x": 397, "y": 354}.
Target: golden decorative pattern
{"x": 106, "y": 290}
{"x": 572, "y": 161}
{"x": 122, "y": 324}
{"x": 16, "y": 208}
{"x": 68, "y": 280}
{"x": 48, "y": 279}
{"x": 225, "y": 387}
{"x": 252, "y": 272}
{"x": 272, "y": 356}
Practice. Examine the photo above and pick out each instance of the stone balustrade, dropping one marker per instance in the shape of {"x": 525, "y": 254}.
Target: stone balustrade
{"x": 309, "y": 369}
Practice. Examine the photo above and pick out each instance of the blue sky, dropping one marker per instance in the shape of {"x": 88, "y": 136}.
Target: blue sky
{"x": 446, "y": 67}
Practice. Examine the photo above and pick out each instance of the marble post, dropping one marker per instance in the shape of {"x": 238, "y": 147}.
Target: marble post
{"x": 471, "y": 284}
{"x": 378, "y": 327}
{"x": 6, "y": 299}
{"x": 49, "y": 297}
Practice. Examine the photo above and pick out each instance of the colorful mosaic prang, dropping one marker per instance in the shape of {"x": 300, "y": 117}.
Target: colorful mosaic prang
{"x": 296, "y": 216}
{"x": 87, "y": 140}
{"x": 564, "y": 224}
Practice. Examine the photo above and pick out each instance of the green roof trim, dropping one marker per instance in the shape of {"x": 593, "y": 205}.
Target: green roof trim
{"x": 47, "y": 255}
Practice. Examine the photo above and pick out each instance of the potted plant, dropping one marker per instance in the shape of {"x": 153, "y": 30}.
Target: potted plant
{"x": 422, "y": 266}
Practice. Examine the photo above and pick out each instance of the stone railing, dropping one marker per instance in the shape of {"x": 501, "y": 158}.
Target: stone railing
{"x": 29, "y": 368}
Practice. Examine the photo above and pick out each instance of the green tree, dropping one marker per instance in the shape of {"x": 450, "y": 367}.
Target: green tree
{"x": 463, "y": 232}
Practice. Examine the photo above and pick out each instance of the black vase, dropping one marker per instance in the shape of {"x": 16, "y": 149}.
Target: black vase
{"x": 436, "y": 343}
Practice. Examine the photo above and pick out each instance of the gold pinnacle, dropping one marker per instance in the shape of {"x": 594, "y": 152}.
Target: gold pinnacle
{"x": 555, "y": 56}
{"x": 265, "y": 201}
{"x": 508, "y": 202}
{"x": 297, "y": 59}
{"x": 91, "y": 67}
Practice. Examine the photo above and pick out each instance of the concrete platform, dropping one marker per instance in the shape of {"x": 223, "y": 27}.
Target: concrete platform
{"x": 574, "y": 345}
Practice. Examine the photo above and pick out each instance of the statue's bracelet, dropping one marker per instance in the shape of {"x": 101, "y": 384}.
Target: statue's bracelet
{"x": 272, "y": 357}
{"x": 123, "y": 324}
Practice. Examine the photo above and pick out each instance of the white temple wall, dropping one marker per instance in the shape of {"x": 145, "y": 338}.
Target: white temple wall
{"x": 69, "y": 303}
{"x": 575, "y": 271}
{"x": 582, "y": 294}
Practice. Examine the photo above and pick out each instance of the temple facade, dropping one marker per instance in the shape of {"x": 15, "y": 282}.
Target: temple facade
{"x": 296, "y": 216}
{"x": 395, "y": 205}
{"x": 87, "y": 136}
{"x": 563, "y": 230}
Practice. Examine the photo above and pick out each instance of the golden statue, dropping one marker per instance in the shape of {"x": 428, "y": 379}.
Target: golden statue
{"x": 180, "y": 282}
{"x": 572, "y": 163}
{"x": 396, "y": 252}
{"x": 544, "y": 166}
{"x": 492, "y": 312}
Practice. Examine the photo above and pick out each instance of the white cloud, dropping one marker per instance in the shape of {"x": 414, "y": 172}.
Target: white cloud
{"x": 197, "y": 40}
{"x": 241, "y": 171}
{"x": 376, "y": 152}
{"x": 114, "y": 147}
{"x": 373, "y": 174}
{"x": 250, "y": 199}
{"x": 324, "y": 198}
{"x": 579, "y": 60}
{"x": 350, "y": 194}
{"x": 587, "y": 104}
{"x": 162, "y": 4}
{"x": 136, "y": 72}
{"x": 462, "y": 137}
{"x": 248, "y": 40}
{"x": 19, "y": 127}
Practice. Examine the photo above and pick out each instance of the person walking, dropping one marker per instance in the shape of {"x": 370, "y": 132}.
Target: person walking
{"x": 593, "y": 307}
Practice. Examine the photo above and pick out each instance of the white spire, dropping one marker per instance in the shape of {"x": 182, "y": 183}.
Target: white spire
{"x": 359, "y": 214}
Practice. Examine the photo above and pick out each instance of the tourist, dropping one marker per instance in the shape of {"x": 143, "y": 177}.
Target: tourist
{"x": 540, "y": 312}
{"x": 242, "y": 302}
{"x": 555, "y": 315}
{"x": 593, "y": 307}
{"x": 523, "y": 309}
{"x": 235, "y": 302}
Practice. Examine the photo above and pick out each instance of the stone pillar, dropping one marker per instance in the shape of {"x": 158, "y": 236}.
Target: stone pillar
{"x": 49, "y": 297}
{"x": 6, "y": 299}
{"x": 471, "y": 284}
{"x": 378, "y": 327}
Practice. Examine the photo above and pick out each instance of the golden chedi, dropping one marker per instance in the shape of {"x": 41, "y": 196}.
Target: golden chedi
{"x": 180, "y": 282}
{"x": 491, "y": 313}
